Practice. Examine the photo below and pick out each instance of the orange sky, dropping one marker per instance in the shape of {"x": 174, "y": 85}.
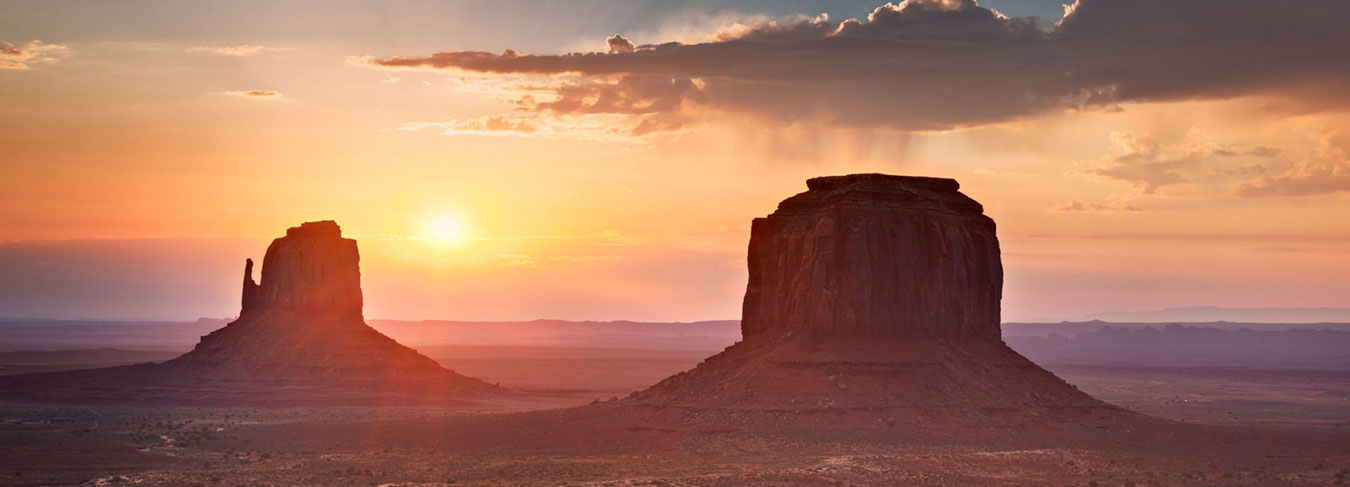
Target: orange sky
{"x": 117, "y": 149}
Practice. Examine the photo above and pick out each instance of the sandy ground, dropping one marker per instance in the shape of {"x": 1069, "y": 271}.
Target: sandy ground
{"x": 401, "y": 446}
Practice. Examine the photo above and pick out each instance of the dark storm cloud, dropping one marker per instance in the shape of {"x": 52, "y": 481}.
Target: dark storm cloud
{"x": 634, "y": 94}
{"x": 938, "y": 19}
{"x": 939, "y": 64}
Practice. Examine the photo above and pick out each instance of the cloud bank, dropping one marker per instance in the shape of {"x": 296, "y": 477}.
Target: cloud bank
{"x": 941, "y": 64}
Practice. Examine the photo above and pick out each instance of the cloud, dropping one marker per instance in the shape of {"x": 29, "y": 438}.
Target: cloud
{"x": 619, "y": 44}
{"x": 517, "y": 260}
{"x": 22, "y": 58}
{"x": 1150, "y": 165}
{"x": 256, "y": 94}
{"x": 1077, "y": 206}
{"x": 609, "y": 128}
{"x": 627, "y": 95}
{"x": 1253, "y": 151}
{"x": 583, "y": 259}
{"x": 1285, "y": 250}
{"x": 1326, "y": 170}
{"x": 938, "y": 19}
{"x": 1143, "y": 163}
{"x": 796, "y": 28}
{"x": 941, "y": 64}
{"x": 239, "y": 50}
{"x": 487, "y": 125}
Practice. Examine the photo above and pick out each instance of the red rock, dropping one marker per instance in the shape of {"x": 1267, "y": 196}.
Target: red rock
{"x": 311, "y": 270}
{"x": 873, "y": 300}
{"x": 875, "y": 255}
{"x": 300, "y": 339}
{"x": 304, "y": 320}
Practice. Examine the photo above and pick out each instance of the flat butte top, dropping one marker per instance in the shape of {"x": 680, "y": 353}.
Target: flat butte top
{"x": 881, "y": 191}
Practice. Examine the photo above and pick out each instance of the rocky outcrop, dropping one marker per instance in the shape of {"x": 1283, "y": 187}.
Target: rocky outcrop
{"x": 312, "y": 270}
{"x": 303, "y": 323}
{"x": 300, "y": 340}
{"x": 873, "y": 301}
{"x": 875, "y": 255}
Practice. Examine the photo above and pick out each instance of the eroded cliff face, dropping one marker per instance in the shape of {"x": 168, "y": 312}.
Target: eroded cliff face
{"x": 875, "y": 255}
{"x": 312, "y": 270}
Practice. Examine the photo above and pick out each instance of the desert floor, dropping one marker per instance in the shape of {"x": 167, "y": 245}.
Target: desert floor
{"x": 131, "y": 445}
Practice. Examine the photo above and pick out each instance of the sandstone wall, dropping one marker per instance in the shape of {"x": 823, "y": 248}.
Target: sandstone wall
{"x": 311, "y": 270}
{"x": 872, "y": 254}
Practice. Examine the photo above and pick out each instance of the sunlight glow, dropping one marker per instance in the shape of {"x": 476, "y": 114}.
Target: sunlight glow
{"x": 445, "y": 227}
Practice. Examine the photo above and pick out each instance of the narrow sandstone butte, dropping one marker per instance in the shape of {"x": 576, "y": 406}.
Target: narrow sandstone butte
{"x": 304, "y": 321}
{"x": 300, "y": 339}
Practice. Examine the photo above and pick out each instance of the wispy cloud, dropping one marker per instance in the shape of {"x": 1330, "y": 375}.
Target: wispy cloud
{"x": 1144, "y": 163}
{"x": 255, "y": 94}
{"x": 487, "y": 125}
{"x": 528, "y": 124}
{"x": 1077, "y": 206}
{"x": 239, "y": 50}
{"x": 1325, "y": 170}
{"x": 24, "y": 57}
{"x": 1149, "y": 165}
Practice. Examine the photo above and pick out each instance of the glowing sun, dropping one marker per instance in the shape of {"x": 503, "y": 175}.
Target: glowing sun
{"x": 445, "y": 227}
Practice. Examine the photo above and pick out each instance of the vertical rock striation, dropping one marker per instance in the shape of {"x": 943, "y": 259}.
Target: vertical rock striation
{"x": 875, "y": 255}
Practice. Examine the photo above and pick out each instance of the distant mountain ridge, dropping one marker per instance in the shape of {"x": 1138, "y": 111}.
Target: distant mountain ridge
{"x": 1175, "y": 345}
{"x": 698, "y": 335}
{"x": 1195, "y": 314}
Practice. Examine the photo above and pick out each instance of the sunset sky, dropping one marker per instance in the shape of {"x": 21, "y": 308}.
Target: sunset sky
{"x": 603, "y": 159}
